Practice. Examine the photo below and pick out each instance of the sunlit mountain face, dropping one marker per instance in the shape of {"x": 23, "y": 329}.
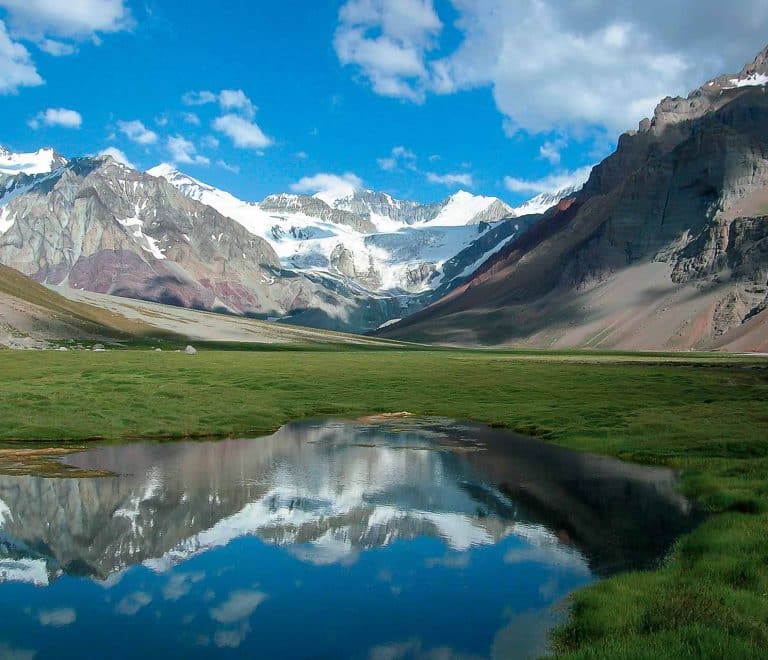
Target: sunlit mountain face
{"x": 362, "y": 530}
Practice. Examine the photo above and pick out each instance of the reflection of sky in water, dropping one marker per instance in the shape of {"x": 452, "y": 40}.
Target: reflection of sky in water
{"x": 329, "y": 540}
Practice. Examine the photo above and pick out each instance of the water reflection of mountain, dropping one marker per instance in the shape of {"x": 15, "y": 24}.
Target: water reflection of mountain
{"x": 326, "y": 491}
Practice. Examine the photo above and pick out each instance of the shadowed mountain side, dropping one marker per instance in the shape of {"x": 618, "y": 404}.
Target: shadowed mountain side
{"x": 199, "y": 325}
{"x": 666, "y": 247}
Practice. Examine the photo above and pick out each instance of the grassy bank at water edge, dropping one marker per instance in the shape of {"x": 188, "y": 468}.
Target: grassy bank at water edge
{"x": 706, "y": 416}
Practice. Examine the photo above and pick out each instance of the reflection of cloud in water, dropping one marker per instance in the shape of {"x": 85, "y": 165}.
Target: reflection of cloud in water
{"x": 543, "y": 547}
{"x": 326, "y": 491}
{"x": 180, "y": 584}
{"x": 328, "y": 549}
{"x": 240, "y": 605}
{"x": 58, "y": 618}
{"x": 525, "y": 636}
{"x": 32, "y": 571}
{"x": 11, "y": 653}
{"x": 413, "y": 649}
{"x": 231, "y": 638}
{"x": 517, "y": 525}
{"x": 132, "y": 603}
{"x": 234, "y": 614}
{"x": 458, "y": 561}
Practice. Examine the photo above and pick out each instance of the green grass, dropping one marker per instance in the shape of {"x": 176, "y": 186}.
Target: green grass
{"x": 705, "y": 415}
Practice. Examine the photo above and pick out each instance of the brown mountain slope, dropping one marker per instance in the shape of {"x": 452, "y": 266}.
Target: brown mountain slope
{"x": 31, "y": 314}
{"x": 666, "y": 247}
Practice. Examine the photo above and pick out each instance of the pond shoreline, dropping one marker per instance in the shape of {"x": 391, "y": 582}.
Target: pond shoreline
{"x": 703, "y": 422}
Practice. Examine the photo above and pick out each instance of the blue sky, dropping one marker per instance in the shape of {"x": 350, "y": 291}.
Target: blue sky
{"x": 415, "y": 97}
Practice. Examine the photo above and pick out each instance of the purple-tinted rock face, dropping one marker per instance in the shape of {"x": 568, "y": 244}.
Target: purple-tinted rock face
{"x": 101, "y": 271}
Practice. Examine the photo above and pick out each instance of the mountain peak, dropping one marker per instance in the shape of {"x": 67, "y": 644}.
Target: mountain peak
{"x": 164, "y": 170}
{"x": 711, "y": 96}
{"x": 42, "y": 161}
{"x": 542, "y": 202}
{"x": 191, "y": 186}
{"x": 758, "y": 65}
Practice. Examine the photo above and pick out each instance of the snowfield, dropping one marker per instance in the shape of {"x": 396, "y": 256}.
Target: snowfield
{"x": 39, "y": 162}
{"x": 399, "y": 252}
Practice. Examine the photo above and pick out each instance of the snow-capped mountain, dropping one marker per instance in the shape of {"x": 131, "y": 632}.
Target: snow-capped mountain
{"x": 545, "y": 201}
{"x": 352, "y": 264}
{"x": 347, "y": 260}
{"x": 42, "y": 161}
{"x": 386, "y": 245}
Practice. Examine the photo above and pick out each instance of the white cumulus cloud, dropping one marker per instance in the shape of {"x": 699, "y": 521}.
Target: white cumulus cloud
{"x": 550, "y": 151}
{"x": 118, "y": 155}
{"x": 184, "y": 152}
{"x": 587, "y": 65}
{"x": 387, "y": 40}
{"x": 136, "y": 132}
{"x": 61, "y": 117}
{"x": 328, "y": 187}
{"x": 16, "y": 66}
{"x": 236, "y": 99}
{"x": 244, "y": 133}
{"x": 76, "y": 19}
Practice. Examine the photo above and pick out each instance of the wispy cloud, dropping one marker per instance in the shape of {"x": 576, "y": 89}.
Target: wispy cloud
{"x": 328, "y": 187}
{"x": 184, "y": 152}
{"x": 118, "y": 155}
{"x": 551, "y": 183}
{"x": 451, "y": 179}
{"x": 398, "y": 157}
{"x": 243, "y": 133}
{"x": 135, "y": 131}
{"x": 61, "y": 117}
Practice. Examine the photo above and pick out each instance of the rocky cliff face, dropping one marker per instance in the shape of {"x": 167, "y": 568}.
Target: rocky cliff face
{"x": 680, "y": 205}
{"x": 316, "y": 208}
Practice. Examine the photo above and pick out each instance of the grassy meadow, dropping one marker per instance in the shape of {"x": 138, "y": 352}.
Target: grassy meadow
{"x": 704, "y": 415}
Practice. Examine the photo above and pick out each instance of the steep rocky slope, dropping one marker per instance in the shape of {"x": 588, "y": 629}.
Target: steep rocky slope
{"x": 666, "y": 246}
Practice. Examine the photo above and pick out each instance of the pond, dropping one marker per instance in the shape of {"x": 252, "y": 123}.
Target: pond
{"x": 397, "y": 538}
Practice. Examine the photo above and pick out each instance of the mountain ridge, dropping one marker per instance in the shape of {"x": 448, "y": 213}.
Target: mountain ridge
{"x": 96, "y": 224}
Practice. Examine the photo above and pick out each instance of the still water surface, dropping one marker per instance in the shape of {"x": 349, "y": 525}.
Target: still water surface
{"x": 402, "y": 539}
